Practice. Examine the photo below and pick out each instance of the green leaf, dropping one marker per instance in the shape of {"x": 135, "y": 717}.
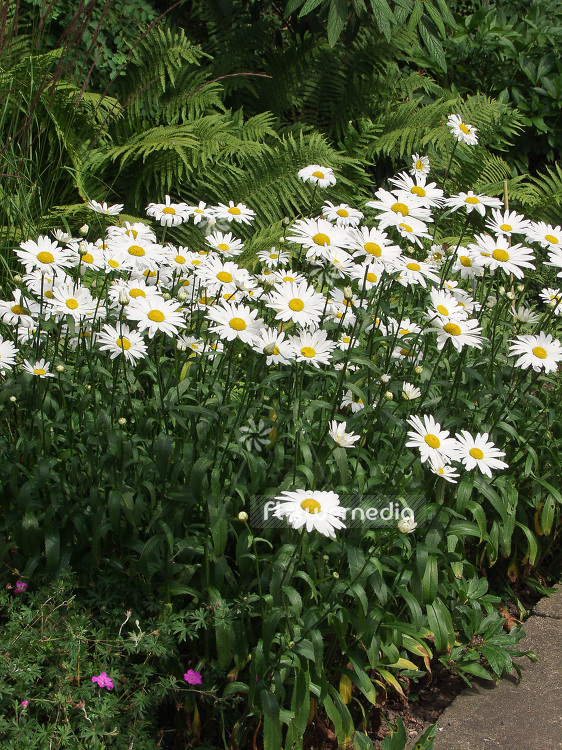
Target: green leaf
{"x": 272, "y": 735}
{"x": 337, "y": 17}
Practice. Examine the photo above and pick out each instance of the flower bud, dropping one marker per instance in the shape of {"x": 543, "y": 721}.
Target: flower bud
{"x": 348, "y": 293}
{"x": 59, "y": 368}
{"x": 13, "y": 399}
{"x": 18, "y": 279}
{"x": 123, "y": 298}
{"x": 510, "y": 295}
{"x": 243, "y": 516}
{"x": 520, "y": 287}
{"x": 385, "y": 379}
{"x": 269, "y": 349}
{"x": 122, "y": 421}
{"x": 182, "y": 295}
{"x": 83, "y": 248}
{"x": 389, "y": 395}
{"x": 418, "y": 369}
{"x": 502, "y": 290}
{"x": 84, "y": 229}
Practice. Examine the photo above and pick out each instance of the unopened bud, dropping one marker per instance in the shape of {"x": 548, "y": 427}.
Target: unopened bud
{"x": 13, "y": 399}
{"x": 269, "y": 349}
{"x": 385, "y": 379}
{"x": 122, "y": 421}
{"x": 167, "y": 296}
{"x": 59, "y": 368}
{"x": 389, "y": 395}
{"x": 286, "y": 221}
{"x": 510, "y": 295}
{"x": 181, "y": 347}
{"x": 348, "y": 293}
{"x": 83, "y": 248}
{"x": 123, "y": 297}
{"x": 520, "y": 287}
{"x": 242, "y": 516}
{"x": 418, "y": 369}
{"x": 18, "y": 279}
{"x": 335, "y": 574}
{"x": 502, "y": 290}
{"x": 182, "y": 295}
{"x": 84, "y": 229}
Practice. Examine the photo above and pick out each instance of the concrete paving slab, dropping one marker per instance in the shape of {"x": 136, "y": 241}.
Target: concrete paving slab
{"x": 550, "y": 606}
{"x": 510, "y": 716}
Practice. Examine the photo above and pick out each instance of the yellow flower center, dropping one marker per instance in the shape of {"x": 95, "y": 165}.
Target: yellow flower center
{"x": 419, "y": 165}
{"x": 403, "y": 331}
{"x": 442, "y": 309}
{"x": 288, "y": 278}
{"x": 372, "y": 277}
{"x": 71, "y": 303}
{"x": 406, "y": 352}
{"x": 112, "y": 263}
{"x": 156, "y": 315}
{"x": 169, "y": 210}
{"x": 223, "y": 246}
{"x": 234, "y": 210}
{"x": 346, "y": 339}
{"x": 321, "y": 239}
{"x": 551, "y": 238}
{"x": 45, "y": 257}
{"x": 476, "y": 453}
{"x": 471, "y": 199}
{"x": 506, "y": 227}
{"x": 373, "y": 249}
{"x": 273, "y": 256}
{"x": 465, "y": 261}
{"x": 311, "y": 505}
{"x": 238, "y": 324}
{"x": 464, "y": 128}
{"x": 318, "y": 174}
{"x": 136, "y": 293}
{"x": 149, "y": 274}
{"x": 39, "y": 371}
{"x": 308, "y": 351}
{"x": 417, "y": 190}
{"x": 195, "y": 262}
{"x": 18, "y": 310}
{"x": 179, "y": 259}
{"x": 452, "y": 328}
{"x": 342, "y": 212}
{"x": 539, "y": 352}
{"x": 136, "y": 250}
{"x": 296, "y": 304}
{"x": 501, "y": 255}
{"x": 229, "y": 296}
{"x": 123, "y": 344}
{"x": 198, "y": 211}
{"x": 224, "y": 276}
{"x": 133, "y": 233}
{"x": 432, "y": 440}
{"x": 413, "y": 266}
{"x": 49, "y": 294}
{"x": 276, "y": 351}
{"x": 400, "y": 208}
{"x": 406, "y": 227}
{"x": 87, "y": 258}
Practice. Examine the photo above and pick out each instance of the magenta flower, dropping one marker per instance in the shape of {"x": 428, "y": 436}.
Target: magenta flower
{"x": 192, "y": 677}
{"x": 24, "y": 704}
{"x": 20, "y": 586}
{"x": 103, "y": 681}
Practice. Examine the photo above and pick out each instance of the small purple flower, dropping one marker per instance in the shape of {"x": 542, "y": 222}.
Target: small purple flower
{"x": 192, "y": 677}
{"x": 20, "y": 586}
{"x": 103, "y": 681}
{"x": 24, "y": 704}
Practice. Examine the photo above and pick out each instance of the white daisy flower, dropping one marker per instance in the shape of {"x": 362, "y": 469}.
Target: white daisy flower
{"x": 339, "y": 435}
{"x": 273, "y": 258}
{"x": 40, "y": 368}
{"x": 413, "y": 230}
{"x": 420, "y": 166}
{"x": 368, "y": 275}
{"x": 354, "y": 402}
{"x": 497, "y": 253}
{"x": 555, "y": 259}
{"x": 462, "y": 131}
{"x": 375, "y": 245}
{"x": 344, "y": 342}
{"x": 135, "y": 231}
{"x": 75, "y": 300}
{"x": 410, "y": 392}
{"x": 86, "y": 255}
{"x": 399, "y": 207}
{"x": 458, "y": 331}
{"x": 541, "y": 352}
{"x": 63, "y": 237}
{"x": 434, "y": 444}
{"x": 427, "y": 194}
{"x": 338, "y": 262}
{"x": 445, "y": 305}
{"x": 317, "y": 175}
{"x": 552, "y": 297}
{"x": 468, "y": 263}
{"x": 343, "y": 215}
{"x": 546, "y": 234}
{"x": 524, "y": 315}
{"x": 412, "y": 271}
{"x": 183, "y": 343}
{"x": 202, "y": 212}
{"x": 274, "y": 344}
{"x": 472, "y": 202}
{"x": 19, "y": 311}
{"x": 7, "y": 354}
{"x": 235, "y": 212}
{"x": 226, "y": 244}
{"x": 312, "y": 347}
{"x": 508, "y": 222}
{"x": 168, "y": 214}
{"x": 300, "y": 303}
{"x": 479, "y": 452}
{"x": 234, "y": 321}
{"x": 317, "y": 236}
{"x": 287, "y": 275}
{"x": 123, "y": 341}
{"x": 445, "y": 471}
{"x": 406, "y": 525}
{"x": 154, "y": 313}
{"x": 314, "y": 509}
{"x": 45, "y": 255}
{"x": 103, "y": 208}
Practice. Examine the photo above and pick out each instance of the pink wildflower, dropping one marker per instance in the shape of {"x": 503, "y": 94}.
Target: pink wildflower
{"x": 103, "y": 681}
{"x": 20, "y": 586}
{"x": 192, "y": 677}
{"x": 24, "y": 704}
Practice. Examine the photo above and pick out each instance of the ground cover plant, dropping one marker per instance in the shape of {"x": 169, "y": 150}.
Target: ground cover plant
{"x": 201, "y": 406}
